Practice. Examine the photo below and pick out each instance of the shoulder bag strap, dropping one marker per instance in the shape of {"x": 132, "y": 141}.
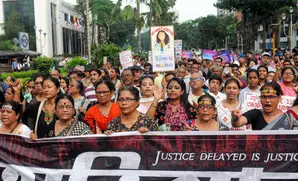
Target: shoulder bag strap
{"x": 72, "y": 127}
{"x": 38, "y": 115}
{"x": 83, "y": 101}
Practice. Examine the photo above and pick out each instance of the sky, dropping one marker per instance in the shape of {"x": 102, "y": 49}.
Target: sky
{"x": 187, "y": 9}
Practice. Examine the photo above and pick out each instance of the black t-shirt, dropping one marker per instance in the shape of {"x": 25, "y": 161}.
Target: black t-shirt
{"x": 256, "y": 119}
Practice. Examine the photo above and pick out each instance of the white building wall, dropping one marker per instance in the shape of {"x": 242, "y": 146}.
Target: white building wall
{"x": 283, "y": 40}
{"x": 43, "y": 20}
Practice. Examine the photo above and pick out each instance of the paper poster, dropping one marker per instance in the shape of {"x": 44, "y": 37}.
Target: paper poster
{"x": 150, "y": 57}
{"x": 163, "y": 54}
{"x": 186, "y": 54}
{"x": 209, "y": 54}
{"x": 178, "y": 49}
{"x": 226, "y": 57}
{"x": 251, "y": 101}
{"x": 286, "y": 103}
{"x": 126, "y": 59}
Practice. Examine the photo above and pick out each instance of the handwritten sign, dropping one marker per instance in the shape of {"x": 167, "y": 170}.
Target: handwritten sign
{"x": 126, "y": 59}
{"x": 163, "y": 54}
{"x": 251, "y": 101}
{"x": 286, "y": 103}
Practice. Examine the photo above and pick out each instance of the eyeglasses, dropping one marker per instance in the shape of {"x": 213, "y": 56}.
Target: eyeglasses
{"x": 203, "y": 107}
{"x": 128, "y": 100}
{"x": 195, "y": 79}
{"x": 288, "y": 73}
{"x": 102, "y": 92}
{"x": 68, "y": 107}
{"x": 268, "y": 97}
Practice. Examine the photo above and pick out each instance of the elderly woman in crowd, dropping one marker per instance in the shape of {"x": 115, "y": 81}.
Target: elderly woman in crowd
{"x": 66, "y": 124}
{"x": 206, "y": 112}
{"x": 39, "y": 115}
{"x": 270, "y": 117}
{"x": 131, "y": 119}
{"x": 146, "y": 86}
{"x": 10, "y": 117}
{"x": 99, "y": 115}
{"x": 171, "y": 112}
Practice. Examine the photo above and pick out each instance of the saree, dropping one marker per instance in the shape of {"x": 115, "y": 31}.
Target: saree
{"x": 283, "y": 122}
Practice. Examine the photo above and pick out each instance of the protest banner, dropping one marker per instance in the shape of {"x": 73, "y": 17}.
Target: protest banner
{"x": 226, "y": 57}
{"x": 186, "y": 54}
{"x": 178, "y": 49}
{"x": 126, "y": 59}
{"x": 286, "y": 103}
{"x": 209, "y": 54}
{"x": 162, "y": 43}
{"x": 168, "y": 156}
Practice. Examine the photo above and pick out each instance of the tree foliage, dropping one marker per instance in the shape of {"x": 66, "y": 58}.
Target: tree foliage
{"x": 43, "y": 64}
{"x": 257, "y": 13}
{"x": 105, "y": 50}
{"x": 12, "y": 25}
{"x": 76, "y": 61}
{"x": 207, "y": 32}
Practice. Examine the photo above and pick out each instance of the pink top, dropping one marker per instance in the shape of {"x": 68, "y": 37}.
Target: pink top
{"x": 288, "y": 91}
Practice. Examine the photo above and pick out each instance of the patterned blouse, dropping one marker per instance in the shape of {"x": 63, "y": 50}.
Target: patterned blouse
{"x": 80, "y": 129}
{"x": 221, "y": 126}
{"x": 165, "y": 115}
{"x": 116, "y": 124}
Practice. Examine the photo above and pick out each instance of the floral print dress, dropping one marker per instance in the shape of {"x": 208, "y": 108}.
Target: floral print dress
{"x": 165, "y": 115}
{"x": 116, "y": 124}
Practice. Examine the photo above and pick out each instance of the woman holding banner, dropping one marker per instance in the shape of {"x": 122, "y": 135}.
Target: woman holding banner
{"x": 10, "y": 117}
{"x": 66, "y": 124}
{"x": 269, "y": 117}
{"x": 206, "y": 113}
{"x": 131, "y": 119}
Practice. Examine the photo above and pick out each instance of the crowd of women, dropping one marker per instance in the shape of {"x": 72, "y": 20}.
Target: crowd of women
{"x": 198, "y": 96}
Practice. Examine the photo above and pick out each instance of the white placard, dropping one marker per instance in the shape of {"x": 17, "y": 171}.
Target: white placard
{"x": 126, "y": 59}
{"x": 163, "y": 54}
{"x": 286, "y": 103}
{"x": 178, "y": 49}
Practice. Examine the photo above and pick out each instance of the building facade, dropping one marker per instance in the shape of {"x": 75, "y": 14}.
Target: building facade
{"x": 54, "y": 25}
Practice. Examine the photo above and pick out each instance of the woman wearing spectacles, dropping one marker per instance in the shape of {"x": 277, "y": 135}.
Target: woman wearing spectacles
{"x": 99, "y": 115}
{"x": 206, "y": 112}
{"x": 66, "y": 124}
{"x": 269, "y": 117}
{"x": 131, "y": 119}
{"x": 288, "y": 76}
